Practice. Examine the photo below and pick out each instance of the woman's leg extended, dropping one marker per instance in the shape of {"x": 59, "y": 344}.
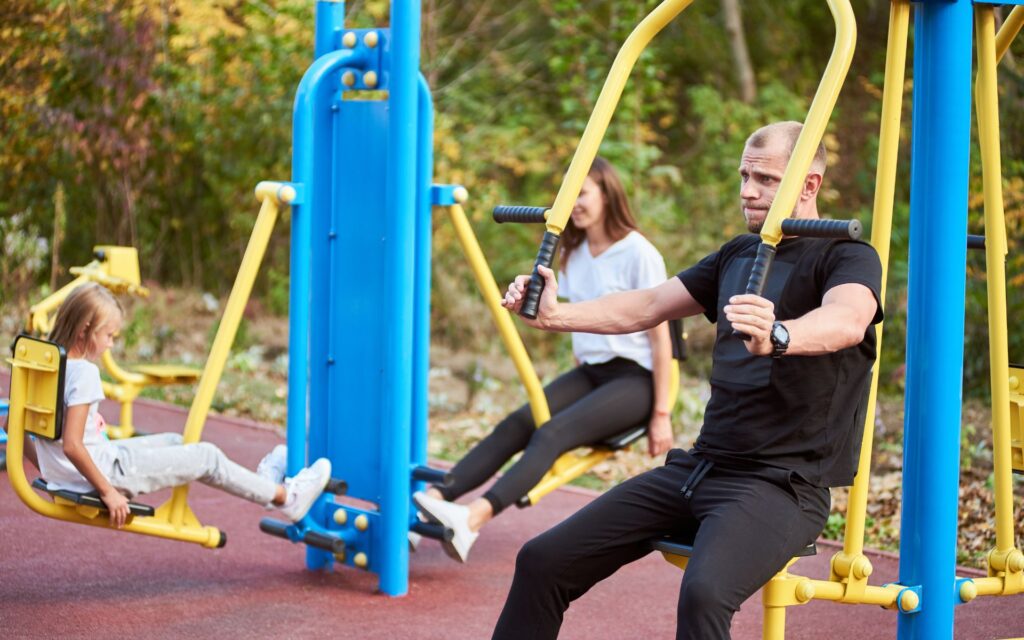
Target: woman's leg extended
{"x": 511, "y": 436}
{"x": 561, "y": 564}
{"x": 145, "y": 469}
{"x": 606, "y": 411}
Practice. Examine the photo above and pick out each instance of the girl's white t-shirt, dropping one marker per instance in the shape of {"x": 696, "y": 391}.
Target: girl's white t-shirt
{"x": 630, "y": 263}
{"x": 82, "y": 385}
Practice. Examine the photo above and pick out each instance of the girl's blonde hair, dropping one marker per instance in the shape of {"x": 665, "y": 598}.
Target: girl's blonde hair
{"x": 85, "y": 309}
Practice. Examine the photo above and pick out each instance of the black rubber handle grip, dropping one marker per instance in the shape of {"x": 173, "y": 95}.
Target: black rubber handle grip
{"x": 434, "y": 531}
{"x": 325, "y": 542}
{"x": 514, "y": 213}
{"x": 337, "y": 487}
{"x": 758, "y": 276}
{"x": 434, "y": 476}
{"x": 850, "y": 229}
{"x": 545, "y": 256}
{"x": 976, "y": 242}
{"x": 274, "y": 528}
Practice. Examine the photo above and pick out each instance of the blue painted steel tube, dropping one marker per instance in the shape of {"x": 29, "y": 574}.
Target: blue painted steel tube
{"x": 421, "y": 337}
{"x": 330, "y": 20}
{"x": 308, "y": 120}
{"x": 940, "y": 155}
{"x": 400, "y": 208}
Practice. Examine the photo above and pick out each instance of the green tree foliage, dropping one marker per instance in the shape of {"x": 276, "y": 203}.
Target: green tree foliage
{"x": 159, "y": 117}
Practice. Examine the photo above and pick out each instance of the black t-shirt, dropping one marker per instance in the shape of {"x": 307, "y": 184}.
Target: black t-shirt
{"x": 802, "y": 413}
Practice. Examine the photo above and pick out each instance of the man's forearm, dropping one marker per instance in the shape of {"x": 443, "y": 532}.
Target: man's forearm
{"x": 826, "y": 329}
{"x": 615, "y": 313}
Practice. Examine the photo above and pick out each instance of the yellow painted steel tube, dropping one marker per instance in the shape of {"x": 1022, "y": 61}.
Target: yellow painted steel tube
{"x": 120, "y": 374}
{"x": 605, "y": 108}
{"x": 1009, "y": 30}
{"x": 881, "y": 233}
{"x": 272, "y": 195}
{"x": 39, "y": 314}
{"x": 815, "y": 123}
{"x": 492, "y": 297}
{"x": 206, "y": 536}
{"x": 987, "y": 103}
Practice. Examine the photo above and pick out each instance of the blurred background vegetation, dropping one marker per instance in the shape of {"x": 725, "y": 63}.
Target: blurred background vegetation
{"x": 148, "y": 122}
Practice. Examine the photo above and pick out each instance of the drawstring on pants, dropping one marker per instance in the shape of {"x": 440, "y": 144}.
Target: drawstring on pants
{"x": 695, "y": 477}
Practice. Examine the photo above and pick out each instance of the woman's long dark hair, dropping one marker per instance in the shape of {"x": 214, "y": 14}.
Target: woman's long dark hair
{"x": 618, "y": 217}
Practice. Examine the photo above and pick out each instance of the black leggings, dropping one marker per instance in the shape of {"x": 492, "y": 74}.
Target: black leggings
{"x": 588, "y": 404}
{"x": 745, "y": 525}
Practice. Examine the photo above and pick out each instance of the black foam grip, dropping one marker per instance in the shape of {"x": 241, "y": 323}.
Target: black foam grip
{"x": 515, "y": 213}
{"x": 325, "y": 542}
{"x": 433, "y": 476}
{"x": 758, "y": 276}
{"x": 337, "y": 487}
{"x": 433, "y": 531}
{"x": 976, "y": 242}
{"x": 274, "y": 528}
{"x": 545, "y": 256}
{"x": 850, "y": 229}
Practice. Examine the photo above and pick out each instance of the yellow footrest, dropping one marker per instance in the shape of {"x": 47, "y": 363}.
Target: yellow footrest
{"x": 168, "y": 373}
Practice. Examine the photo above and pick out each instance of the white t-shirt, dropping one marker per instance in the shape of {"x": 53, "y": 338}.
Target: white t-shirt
{"x": 630, "y": 263}
{"x": 81, "y": 386}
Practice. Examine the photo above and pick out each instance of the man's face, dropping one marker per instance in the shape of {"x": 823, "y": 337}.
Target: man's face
{"x": 760, "y": 173}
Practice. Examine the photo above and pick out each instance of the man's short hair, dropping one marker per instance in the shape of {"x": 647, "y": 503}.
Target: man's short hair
{"x": 787, "y": 133}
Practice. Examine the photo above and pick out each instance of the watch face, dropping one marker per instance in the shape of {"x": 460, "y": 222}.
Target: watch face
{"x": 780, "y": 335}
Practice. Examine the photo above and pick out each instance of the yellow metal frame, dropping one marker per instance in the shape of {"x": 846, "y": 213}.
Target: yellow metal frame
{"x": 570, "y": 465}
{"x": 174, "y": 519}
{"x": 1005, "y": 562}
{"x": 119, "y": 272}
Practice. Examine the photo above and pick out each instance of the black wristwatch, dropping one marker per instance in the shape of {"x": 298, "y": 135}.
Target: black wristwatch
{"x": 780, "y": 339}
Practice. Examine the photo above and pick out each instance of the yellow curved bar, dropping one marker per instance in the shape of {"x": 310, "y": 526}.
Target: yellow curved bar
{"x": 881, "y": 233}
{"x": 118, "y": 373}
{"x": 605, "y": 108}
{"x": 272, "y": 195}
{"x": 492, "y": 296}
{"x": 817, "y": 119}
{"x": 1009, "y": 30}
{"x": 987, "y": 103}
{"x": 39, "y": 322}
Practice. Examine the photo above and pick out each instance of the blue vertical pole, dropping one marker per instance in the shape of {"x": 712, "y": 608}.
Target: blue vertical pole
{"x": 940, "y": 155}
{"x": 330, "y": 20}
{"x": 424, "y": 229}
{"x": 400, "y": 209}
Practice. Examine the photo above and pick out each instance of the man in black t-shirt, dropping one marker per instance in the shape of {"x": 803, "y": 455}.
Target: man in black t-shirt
{"x": 783, "y": 423}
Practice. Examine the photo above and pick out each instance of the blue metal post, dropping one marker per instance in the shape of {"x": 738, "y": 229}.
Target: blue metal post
{"x": 330, "y": 20}
{"x": 424, "y": 230}
{"x": 935, "y": 321}
{"x": 400, "y": 208}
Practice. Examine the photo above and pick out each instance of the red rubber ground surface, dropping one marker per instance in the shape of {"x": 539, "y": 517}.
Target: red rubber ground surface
{"x": 59, "y": 580}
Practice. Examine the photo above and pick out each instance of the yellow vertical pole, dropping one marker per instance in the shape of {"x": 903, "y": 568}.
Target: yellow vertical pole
{"x": 987, "y": 104}
{"x": 881, "y": 232}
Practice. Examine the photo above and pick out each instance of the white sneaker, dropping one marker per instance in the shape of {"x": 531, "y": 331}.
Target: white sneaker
{"x": 414, "y": 541}
{"x": 274, "y": 465}
{"x": 451, "y": 515}
{"x": 303, "y": 490}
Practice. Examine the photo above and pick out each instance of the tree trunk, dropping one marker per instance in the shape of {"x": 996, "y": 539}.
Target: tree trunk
{"x": 744, "y": 70}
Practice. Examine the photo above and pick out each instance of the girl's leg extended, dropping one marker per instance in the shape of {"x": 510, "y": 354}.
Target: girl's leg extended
{"x": 141, "y": 469}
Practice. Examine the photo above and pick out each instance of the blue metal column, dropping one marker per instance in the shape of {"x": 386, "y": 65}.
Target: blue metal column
{"x": 424, "y": 231}
{"x": 330, "y": 20}
{"x": 940, "y": 155}
{"x": 400, "y": 208}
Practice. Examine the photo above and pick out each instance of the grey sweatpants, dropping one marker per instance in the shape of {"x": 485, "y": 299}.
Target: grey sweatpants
{"x": 159, "y": 461}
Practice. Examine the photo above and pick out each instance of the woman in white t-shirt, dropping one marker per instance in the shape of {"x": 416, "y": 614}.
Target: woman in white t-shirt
{"x": 620, "y": 381}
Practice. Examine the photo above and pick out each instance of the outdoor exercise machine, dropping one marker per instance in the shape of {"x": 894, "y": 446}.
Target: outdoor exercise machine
{"x": 117, "y": 269}
{"x": 36, "y": 407}
{"x": 357, "y": 390}
{"x": 928, "y": 588}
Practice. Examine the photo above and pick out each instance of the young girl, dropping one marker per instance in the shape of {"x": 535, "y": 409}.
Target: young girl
{"x": 621, "y": 381}
{"x": 83, "y": 459}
